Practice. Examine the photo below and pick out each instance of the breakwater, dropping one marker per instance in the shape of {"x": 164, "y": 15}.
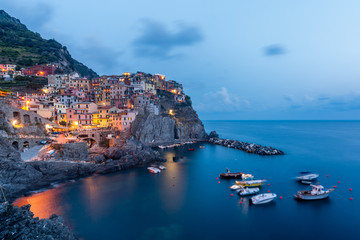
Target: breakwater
{"x": 247, "y": 147}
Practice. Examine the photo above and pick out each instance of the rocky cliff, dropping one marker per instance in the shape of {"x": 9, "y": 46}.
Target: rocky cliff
{"x": 175, "y": 122}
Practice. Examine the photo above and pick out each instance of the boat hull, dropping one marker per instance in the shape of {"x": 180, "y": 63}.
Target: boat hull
{"x": 231, "y": 175}
{"x": 250, "y": 183}
{"x": 301, "y": 195}
{"x": 263, "y": 198}
{"x": 247, "y": 192}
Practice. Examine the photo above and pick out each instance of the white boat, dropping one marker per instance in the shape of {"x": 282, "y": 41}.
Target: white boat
{"x": 247, "y": 191}
{"x": 153, "y": 170}
{"x": 236, "y": 187}
{"x": 307, "y": 176}
{"x": 162, "y": 167}
{"x": 263, "y": 198}
{"x": 317, "y": 192}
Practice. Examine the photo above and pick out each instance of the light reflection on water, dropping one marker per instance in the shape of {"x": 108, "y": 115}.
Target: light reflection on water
{"x": 43, "y": 204}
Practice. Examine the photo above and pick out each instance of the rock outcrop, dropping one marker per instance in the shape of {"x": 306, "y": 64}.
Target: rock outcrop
{"x": 175, "y": 122}
{"x": 19, "y": 223}
{"x": 247, "y": 147}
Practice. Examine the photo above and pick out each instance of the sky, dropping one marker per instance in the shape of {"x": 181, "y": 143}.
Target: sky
{"x": 237, "y": 59}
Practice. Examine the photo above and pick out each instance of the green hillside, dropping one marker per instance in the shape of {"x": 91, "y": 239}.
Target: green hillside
{"x": 22, "y": 47}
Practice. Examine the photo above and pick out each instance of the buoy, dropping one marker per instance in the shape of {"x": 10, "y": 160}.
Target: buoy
{"x": 231, "y": 194}
{"x": 218, "y": 181}
{"x": 334, "y": 186}
{"x": 327, "y": 175}
{"x": 351, "y": 198}
{"x": 338, "y": 181}
{"x": 217, "y": 178}
{"x": 280, "y": 197}
{"x": 350, "y": 189}
{"x": 240, "y": 202}
{"x": 268, "y": 184}
{"x": 268, "y": 190}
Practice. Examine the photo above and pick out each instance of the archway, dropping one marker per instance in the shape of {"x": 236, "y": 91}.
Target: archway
{"x": 15, "y": 145}
{"x": 90, "y": 142}
{"x": 26, "y": 144}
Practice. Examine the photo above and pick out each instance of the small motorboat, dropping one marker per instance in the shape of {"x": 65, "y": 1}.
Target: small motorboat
{"x": 162, "y": 167}
{"x": 317, "y": 192}
{"x": 202, "y": 146}
{"x": 263, "y": 198}
{"x": 236, "y": 187}
{"x": 307, "y": 176}
{"x": 247, "y": 191}
{"x": 191, "y": 149}
{"x": 250, "y": 183}
{"x": 153, "y": 170}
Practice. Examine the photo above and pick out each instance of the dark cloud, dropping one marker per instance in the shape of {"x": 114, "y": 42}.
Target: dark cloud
{"x": 34, "y": 16}
{"x": 157, "y": 41}
{"x": 274, "y": 50}
{"x": 99, "y": 57}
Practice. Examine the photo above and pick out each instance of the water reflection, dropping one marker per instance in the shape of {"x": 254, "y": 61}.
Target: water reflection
{"x": 43, "y": 204}
{"x": 173, "y": 187}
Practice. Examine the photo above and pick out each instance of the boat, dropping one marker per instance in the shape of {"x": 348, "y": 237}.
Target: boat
{"x": 247, "y": 191}
{"x": 236, "y": 187}
{"x": 250, "y": 183}
{"x": 231, "y": 175}
{"x": 202, "y": 146}
{"x": 306, "y": 182}
{"x": 153, "y": 170}
{"x": 162, "y": 167}
{"x": 191, "y": 149}
{"x": 263, "y": 198}
{"x": 307, "y": 176}
{"x": 317, "y": 192}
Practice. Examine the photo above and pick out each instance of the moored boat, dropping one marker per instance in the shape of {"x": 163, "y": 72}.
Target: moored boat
{"x": 250, "y": 183}
{"x": 247, "y": 191}
{"x": 191, "y": 149}
{"x": 317, "y": 192}
{"x": 236, "y": 187}
{"x": 153, "y": 170}
{"x": 307, "y": 176}
{"x": 162, "y": 167}
{"x": 263, "y": 198}
{"x": 231, "y": 175}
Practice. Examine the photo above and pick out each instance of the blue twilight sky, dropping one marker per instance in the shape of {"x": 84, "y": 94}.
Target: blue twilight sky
{"x": 237, "y": 59}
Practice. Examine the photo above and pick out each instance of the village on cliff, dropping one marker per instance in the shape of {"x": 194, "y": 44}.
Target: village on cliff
{"x": 73, "y": 103}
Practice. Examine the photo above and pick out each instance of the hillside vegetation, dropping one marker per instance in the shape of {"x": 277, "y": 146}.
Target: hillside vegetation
{"x": 22, "y": 47}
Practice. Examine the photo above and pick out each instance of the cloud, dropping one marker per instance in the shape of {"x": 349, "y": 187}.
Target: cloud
{"x": 347, "y": 102}
{"x": 222, "y": 101}
{"x": 274, "y": 50}
{"x": 33, "y": 15}
{"x": 157, "y": 41}
{"x": 98, "y": 56}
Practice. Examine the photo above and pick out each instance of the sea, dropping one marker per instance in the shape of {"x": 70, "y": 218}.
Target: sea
{"x": 188, "y": 201}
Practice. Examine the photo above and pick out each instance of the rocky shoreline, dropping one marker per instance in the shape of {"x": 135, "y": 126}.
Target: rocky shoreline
{"x": 19, "y": 223}
{"x": 247, "y": 147}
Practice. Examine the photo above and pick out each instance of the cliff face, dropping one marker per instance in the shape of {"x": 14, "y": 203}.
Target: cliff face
{"x": 175, "y": 122}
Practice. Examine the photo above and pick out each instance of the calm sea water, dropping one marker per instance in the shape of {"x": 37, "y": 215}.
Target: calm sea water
{"x": 187, "y": 202}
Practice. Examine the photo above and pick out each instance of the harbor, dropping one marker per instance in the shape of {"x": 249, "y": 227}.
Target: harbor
{"x": 96, "y": 206}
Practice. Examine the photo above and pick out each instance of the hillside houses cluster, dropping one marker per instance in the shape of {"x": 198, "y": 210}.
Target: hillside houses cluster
{"x": 105, "y": 102}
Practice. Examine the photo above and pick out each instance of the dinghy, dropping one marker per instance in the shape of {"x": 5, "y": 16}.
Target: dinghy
{"x": 247, "y": 191}
{"x": 307, "y": 176}
{"x": 153, "y": 170}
